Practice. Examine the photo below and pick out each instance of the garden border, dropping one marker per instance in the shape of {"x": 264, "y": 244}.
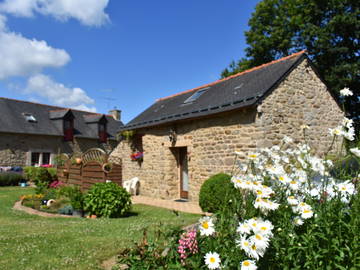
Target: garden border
{"x": 18, "y": 206}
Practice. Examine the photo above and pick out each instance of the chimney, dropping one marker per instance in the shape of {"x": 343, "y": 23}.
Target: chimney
{"x": 116, "y": 114}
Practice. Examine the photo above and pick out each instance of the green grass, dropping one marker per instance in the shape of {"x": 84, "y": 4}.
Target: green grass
{"x": 33, "y": 242}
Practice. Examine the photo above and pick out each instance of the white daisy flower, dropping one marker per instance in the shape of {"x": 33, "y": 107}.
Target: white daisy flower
{"x": 298, "y": 221}
{"x": 346, "y": 188}
{"x": 206, "y": 226}
{"x": 255, "y": 251}
{"x": 336, "y": 131}
{"x": 355, "y": 151}
{"x": 294, "y": 185}
{"x": 350, "y": 134}
{"x": 265, "y": 205}
{"x": 306, "y": 212}
{"x": 348, "y": 123}
{"x": 287, "y": 139}
{"x": 243, "y": 228}
{"x": 248, "y": 265}
{"x": 260, "y": 241}
{"x": 212, "y": 260}
{"x": 244, "y": 244}
{"x": 264, "y": 228}
{"x": 346, "y": 92}
{"x": 292, "y": 201}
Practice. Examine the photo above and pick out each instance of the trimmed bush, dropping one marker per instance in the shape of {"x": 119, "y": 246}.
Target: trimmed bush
{"x": 107, "y": 200}
{"x": 213, "y": 192}
{"x": 40, "y": 174}
{"x": 10, "y": 179}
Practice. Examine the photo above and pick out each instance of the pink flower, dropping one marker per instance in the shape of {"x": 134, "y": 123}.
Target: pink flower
{"x": 187, "y": 245}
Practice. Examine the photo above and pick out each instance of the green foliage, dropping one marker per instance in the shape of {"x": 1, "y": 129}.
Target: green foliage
{"x": 107, "y": 200}
{"x": 30, "y": 172}
{"x": 160, "y": 250}
{"x": 42, "y": 177}
{"x": 74, "y": 194}
{"x": 66, "y": 210}
{"x": 80, "y": 244}
{"x": 329, "y": 241}
{"x": 10, "y": 179}
{"x": 328, "y": 30}
{"x": 214, "y": 192}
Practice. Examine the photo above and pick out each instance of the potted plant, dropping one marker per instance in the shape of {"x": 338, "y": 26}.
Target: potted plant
{"x": 107, "y": 167}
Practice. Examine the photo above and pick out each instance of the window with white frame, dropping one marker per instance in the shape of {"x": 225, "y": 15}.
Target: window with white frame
{"x": 38, "y": 158}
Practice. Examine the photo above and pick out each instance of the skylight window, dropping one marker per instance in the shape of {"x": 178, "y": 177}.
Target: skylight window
{"x": 196, "y": 95}
{"x": 30, "y": 118}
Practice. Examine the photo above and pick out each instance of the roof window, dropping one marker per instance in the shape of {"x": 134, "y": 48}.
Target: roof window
{"x": 29, "y": 118}
{"x": 196, "y": 95}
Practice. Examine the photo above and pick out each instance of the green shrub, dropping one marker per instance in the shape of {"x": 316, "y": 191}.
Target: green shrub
{"x": 40, "y": 174}
{"x": 107, "y": 200}
{"x": 53, "y": 173}
{"x": 214, "y": 191}
{"x": 29, "y": 172}
{"x": 75, "y": 196}
{"x": 10, "y": 179}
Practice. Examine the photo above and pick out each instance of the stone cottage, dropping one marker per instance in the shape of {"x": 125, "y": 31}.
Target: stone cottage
{"x": 32, "y": 133}
{"x": 189, "y": 136}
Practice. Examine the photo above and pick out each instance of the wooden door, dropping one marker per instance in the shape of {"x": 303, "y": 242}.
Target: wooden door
{"x": 184, "y": 174}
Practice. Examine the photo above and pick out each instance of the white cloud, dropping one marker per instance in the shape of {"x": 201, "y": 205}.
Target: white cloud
{"x": 21, "y": 56}
{"x": 58, "y": 94}
{"x": 2, "y": 23}
{"x": 88, "y": 12}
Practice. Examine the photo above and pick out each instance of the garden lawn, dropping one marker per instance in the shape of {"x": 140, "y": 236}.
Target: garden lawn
{"x": 33, "y": 242}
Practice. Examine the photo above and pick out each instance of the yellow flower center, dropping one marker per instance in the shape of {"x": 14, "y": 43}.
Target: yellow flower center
{"x": 306, "y": 211}
{"x": 293, "y": 182}
{"x": 258, "y": 237}
{"x": 205, "y": 225}
{"x": 281, "y": 178}
{"x": 246, "y": 243}
{"x": 343, "y": 188}
{"x": 263, "y": 228}
{"x": 259, "y": 192}
{"x": 212, "y": 260}
{"x": 254, "y": 224}
{"x": 253, "y": 247}
{"x": 246, "y": 263}
{"x": 253, "y": 155}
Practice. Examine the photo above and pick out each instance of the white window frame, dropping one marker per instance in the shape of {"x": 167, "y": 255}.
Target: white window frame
{"x": 41, "y": 152}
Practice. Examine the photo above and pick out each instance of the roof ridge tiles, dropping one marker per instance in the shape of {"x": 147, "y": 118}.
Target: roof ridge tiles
{"x": 235, "y": 75}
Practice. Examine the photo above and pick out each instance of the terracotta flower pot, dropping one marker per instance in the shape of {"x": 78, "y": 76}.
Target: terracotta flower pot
{"x": 78, "y": 161}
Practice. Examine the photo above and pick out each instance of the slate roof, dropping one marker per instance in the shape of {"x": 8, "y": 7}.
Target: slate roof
{"x": 240, "y": 90}
{"x": 12, "y": 120}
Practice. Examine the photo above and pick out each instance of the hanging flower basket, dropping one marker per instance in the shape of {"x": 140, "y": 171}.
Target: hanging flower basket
{"x": 138, "y": 156}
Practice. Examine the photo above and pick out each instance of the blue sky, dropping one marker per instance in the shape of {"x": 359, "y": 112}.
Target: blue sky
{"x": 116, "y": 53}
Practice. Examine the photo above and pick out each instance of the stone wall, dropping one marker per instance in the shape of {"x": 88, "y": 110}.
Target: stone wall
{"x": 15, "y": 148}
{"x": 299, "y": 99}
{"x": 210, "y": 144}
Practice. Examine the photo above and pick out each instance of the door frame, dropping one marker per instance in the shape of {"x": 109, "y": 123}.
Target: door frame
{"x": 181, "y": 155}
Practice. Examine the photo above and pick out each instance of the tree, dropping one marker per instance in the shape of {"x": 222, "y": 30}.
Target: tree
{"x": 328, "y": 29}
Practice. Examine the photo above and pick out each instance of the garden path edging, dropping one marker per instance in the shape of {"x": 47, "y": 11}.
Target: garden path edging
{"x": 28, "y": 210}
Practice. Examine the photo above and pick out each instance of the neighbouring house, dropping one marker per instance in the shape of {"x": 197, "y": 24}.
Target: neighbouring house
{"x": 33, "y": 134}
{"x": 187, "y": 137}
